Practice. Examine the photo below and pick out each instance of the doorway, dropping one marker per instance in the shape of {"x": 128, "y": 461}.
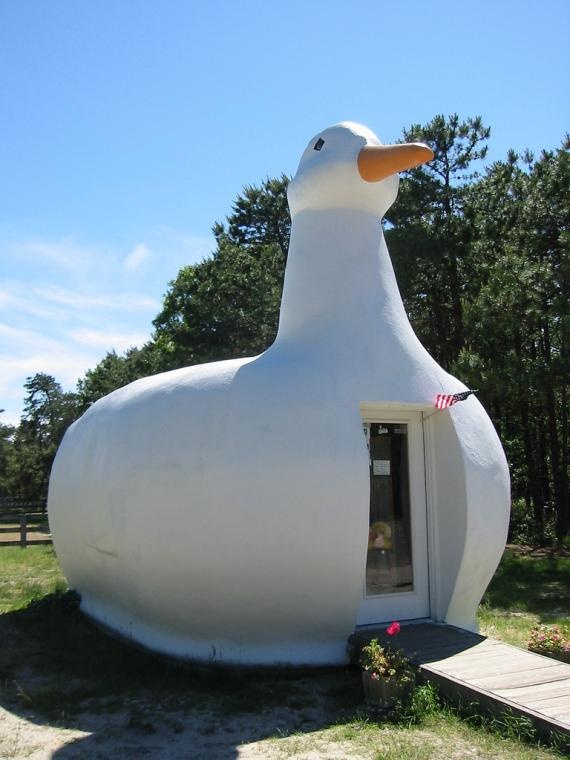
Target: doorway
{"x": 396, "y": 583}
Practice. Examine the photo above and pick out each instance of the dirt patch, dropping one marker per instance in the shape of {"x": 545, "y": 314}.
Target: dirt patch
{"x": 145, "y": 732}
{"x": 214, "y": 727}
{"x": 200, "y": 734}
{"x": 69, "y": 690}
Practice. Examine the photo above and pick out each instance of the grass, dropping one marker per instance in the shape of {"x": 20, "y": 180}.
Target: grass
{"x": 526, "y": 590}
{"x": 442, "y": 732}
{"x": 56, "y": 664}
{"x": 27, "y": 575}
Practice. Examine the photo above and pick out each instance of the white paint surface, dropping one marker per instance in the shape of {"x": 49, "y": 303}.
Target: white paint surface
{"x": 221, "y": 511}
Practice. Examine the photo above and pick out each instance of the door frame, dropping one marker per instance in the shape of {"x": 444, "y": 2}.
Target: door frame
{"x": 410, "y": 607}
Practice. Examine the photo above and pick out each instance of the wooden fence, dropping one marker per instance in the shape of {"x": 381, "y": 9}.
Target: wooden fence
{"x": 23, "y": 523}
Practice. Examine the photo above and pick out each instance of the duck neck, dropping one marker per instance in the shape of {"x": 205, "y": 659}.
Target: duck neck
{"x": 339, "y": 282}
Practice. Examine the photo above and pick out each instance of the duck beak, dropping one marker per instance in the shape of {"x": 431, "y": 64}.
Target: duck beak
{"x": 376, "y": 162}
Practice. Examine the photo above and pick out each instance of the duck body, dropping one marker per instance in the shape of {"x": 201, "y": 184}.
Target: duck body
{"x": 220, "y": 512}
{"x": 207, "y": 548}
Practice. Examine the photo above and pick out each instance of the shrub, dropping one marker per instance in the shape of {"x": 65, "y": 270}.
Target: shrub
{"x": 549, "y": 640}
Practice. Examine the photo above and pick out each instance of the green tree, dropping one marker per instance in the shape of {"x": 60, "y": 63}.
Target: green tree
{"x": 260, "y": 217}
{"x": 227, "y": 306}
{"x": 6, "y": 449}
{"x": 114, "y": 371}
{"x": 48, "y": 411}
{"x": 518, "y": 324}
{"x": 428, "y": 236}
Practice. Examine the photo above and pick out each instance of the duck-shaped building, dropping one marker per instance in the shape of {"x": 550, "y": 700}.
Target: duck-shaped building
{"x": 257, "y": 510}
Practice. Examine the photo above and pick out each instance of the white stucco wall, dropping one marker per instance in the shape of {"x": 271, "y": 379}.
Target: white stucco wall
{"x": 470, "y": 497}
{"x": 220, "y": 534}
{"x": 487, "y": 499}
{"x": 221, "y": 511}
{"x": 447, "y": 504}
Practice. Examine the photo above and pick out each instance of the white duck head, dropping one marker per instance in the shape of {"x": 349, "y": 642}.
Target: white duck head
{"x": 346, "y": 166}
{"x": 339, "y": 280}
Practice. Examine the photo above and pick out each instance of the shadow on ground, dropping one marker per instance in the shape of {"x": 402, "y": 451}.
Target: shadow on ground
{"x": 534, "y": 583}
{"x": 57, "y": 669}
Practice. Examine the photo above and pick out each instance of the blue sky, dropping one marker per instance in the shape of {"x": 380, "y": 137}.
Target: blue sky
{"x": 128, "y": 127}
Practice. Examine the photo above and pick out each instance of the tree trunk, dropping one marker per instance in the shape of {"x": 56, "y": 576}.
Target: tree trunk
{"x": 532, "y": 471}
{"x": 559, "y": 477}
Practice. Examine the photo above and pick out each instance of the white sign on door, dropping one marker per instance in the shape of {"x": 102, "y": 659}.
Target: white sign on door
{"x": 380, "y": 466}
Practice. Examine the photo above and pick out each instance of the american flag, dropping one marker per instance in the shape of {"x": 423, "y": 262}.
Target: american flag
{"x": 445, "y": 400}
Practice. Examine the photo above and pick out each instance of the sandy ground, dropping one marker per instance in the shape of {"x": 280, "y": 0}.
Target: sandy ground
{"x": 171, "y": 736}
{"x": 199, "y": 735}
{"x": 68, "y": 690}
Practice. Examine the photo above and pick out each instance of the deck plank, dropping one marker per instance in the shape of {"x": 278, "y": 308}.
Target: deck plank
{"x": 562, "y": 716}
{"x": 533, "y": 677}
{"x": 561, "y": 702}
{"x": 538, "y": 691}
{"x": 481, "y": 667}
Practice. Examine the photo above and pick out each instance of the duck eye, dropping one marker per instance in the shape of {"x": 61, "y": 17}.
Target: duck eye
{"x": 319, "y": 144}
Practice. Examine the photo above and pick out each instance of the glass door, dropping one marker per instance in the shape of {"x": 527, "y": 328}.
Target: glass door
{"x": 396, "y": 577}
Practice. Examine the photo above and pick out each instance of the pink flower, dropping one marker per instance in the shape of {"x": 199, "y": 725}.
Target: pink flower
{"x": 393, "y": 629}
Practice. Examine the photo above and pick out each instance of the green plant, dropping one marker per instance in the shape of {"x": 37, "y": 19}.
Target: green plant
{"x": 549, "y": 640}
{"x": 423, "y": 703}
{"x": 384, "y": 662}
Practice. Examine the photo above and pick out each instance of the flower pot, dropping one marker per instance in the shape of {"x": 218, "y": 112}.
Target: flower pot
{"x": 384, "y": 692}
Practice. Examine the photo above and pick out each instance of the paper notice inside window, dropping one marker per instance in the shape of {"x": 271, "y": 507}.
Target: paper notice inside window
{"x": 380, "y": 466}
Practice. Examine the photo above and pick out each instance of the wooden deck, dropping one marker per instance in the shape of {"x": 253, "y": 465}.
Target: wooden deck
{"x": 473, "y": 668}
